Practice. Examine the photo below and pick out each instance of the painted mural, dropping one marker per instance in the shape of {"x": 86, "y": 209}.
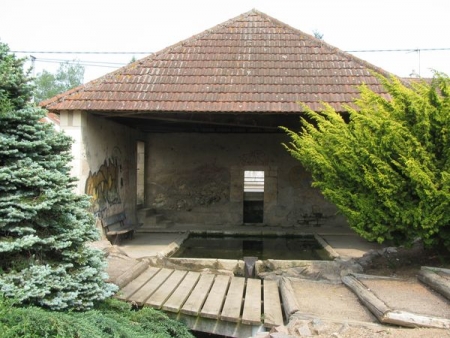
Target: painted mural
{"x": 103, "y": 185}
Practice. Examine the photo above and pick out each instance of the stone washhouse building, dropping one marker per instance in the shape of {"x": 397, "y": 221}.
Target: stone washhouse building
{"x": 190, "y": 134}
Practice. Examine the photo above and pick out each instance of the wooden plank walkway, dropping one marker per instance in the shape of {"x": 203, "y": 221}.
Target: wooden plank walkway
{"x": 216, "y": 297}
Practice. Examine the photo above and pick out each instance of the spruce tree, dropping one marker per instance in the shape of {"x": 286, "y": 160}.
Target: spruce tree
{"x": 44, "y": 225}
{"x": 387, "y": 166}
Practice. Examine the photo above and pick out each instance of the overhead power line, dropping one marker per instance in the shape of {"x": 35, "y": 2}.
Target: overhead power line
{"x": 397, "y": 50}
{"x": 73, "y": 52}
{"x": 83, "y": 62}
{"x": 147, "y": 53}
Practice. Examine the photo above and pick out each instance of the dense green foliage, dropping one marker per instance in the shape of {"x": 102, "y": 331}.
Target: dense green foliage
{"x": 15, "y": 86}
{"x": 44, "y": 225}
{"x": 109, "y": 319}
{"x": 68, "y": 76}
{"x": 387, "y": 169}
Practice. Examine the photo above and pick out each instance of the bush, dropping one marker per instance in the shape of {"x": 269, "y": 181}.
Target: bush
{"x": 387, "y": 168}
{"x": 111, "y": 318}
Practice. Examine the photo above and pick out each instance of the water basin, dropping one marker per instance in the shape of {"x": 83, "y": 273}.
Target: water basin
{"x": 288, "y": 247}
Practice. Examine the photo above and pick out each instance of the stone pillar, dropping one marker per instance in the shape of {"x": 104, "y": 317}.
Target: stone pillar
{"x": 270, "y": 194}
{"x": 236, "y": 195}
{"x": 72, "y": 124}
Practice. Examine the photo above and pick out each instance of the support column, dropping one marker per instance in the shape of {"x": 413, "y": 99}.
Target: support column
{"x": 237, "y": 195}
{"x": 270, "y": 194}
{"x": 72, "y": 124}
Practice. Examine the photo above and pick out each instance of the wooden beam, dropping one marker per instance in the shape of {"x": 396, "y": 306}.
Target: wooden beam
{"x": 391, "y": 316}
{"x": 432, "y": 278}
{"x": 372, "y": 302}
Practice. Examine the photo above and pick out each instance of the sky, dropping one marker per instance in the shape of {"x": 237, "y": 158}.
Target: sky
{"x": 414, "y": 28}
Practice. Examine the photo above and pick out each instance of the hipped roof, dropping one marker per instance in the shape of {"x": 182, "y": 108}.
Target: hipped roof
{"x": 250, "y": 64}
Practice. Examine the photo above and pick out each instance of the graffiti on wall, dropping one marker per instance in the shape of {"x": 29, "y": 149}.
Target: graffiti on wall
{"x": 103, "y": 185}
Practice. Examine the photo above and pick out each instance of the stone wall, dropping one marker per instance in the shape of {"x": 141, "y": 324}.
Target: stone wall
{"x": 198, "y": 179}
{"x": 104, "y": 162}
{"x": 191, "y": 178}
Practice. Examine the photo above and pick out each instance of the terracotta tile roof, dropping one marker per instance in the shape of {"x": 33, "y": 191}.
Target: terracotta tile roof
{"x": 252, "y": 63}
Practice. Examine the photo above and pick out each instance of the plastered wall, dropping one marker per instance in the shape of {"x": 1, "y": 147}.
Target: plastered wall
{"x": 198, "y": 178}
{"x": 104, "y": 162}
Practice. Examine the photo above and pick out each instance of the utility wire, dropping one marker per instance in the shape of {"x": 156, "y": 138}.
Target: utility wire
{"x": 73, "y": 52}
{"x": 148, "y": 53}
{"x": 397, "y": 50}
{"x": 83, "y": 63}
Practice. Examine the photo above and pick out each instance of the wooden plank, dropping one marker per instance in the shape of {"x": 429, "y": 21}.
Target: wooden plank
{"x": 272, "y": 305}
{"x": 151, "y": 286}
{"x": 163, "y": 293}
{"x": 137, "y": 283}
{"x": 198, "y": 295}
{"x": 216, "y": 296}
{"x": 177, "y": 299}
{"x": 252, "y": 302}
{"x": 233, "y": 303}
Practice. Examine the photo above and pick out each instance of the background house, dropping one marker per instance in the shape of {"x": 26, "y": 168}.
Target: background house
{"x": 177, "y": 133}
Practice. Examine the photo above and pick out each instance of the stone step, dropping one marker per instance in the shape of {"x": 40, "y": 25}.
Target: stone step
{"x": 146, "y": 212}
{"x": 154, "y": 222}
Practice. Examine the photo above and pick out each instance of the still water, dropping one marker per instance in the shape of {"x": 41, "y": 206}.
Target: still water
{"x": 236, "y": 247}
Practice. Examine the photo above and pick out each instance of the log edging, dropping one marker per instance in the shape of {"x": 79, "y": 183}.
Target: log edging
{"x": 386, "y": 315}
{"x": 430, "y": 277}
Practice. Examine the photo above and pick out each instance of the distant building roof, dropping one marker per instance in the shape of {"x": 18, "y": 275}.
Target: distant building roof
{"x": 252, "y": 63}
{"x": 53, "y": 119}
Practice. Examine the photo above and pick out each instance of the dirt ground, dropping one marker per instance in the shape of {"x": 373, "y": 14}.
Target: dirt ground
{"x": 401, "y": 263}
{"x": 406, "y": 262}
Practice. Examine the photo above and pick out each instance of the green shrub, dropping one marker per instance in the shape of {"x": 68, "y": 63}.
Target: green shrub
{"x": 111, "y": 318}
{"x": 387, "y": 169}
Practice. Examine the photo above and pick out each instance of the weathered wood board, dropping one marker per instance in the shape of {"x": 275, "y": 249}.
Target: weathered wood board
{"x": 137, "y": 283}
{"x": 177, "y": 299}
{"x": 166, "y": 289}
{"x": 220, "y": 298}
{"x": 272, "y": 305}
{"x": 151, "y": 286}
{"x": 233, "y": 302}
{"x": 198, "y": 295}
{"x": 214, "y": 302}
{"x": 252, "y": 302}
